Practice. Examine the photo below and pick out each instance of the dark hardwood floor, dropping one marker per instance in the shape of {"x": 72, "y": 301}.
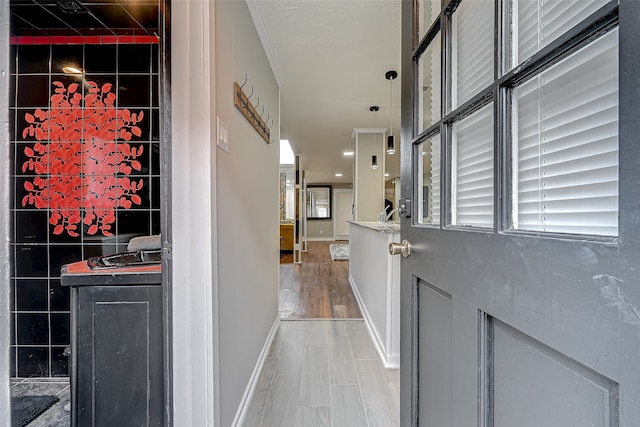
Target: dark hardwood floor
{"x": 318, "y": 288}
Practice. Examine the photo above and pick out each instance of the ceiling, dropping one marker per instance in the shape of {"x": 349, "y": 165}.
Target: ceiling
{"x": 329, "y": 57}
{"x": 84, "y": 17}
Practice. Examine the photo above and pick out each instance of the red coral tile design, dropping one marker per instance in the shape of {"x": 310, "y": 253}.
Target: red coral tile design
{"x": 83, "y": 170}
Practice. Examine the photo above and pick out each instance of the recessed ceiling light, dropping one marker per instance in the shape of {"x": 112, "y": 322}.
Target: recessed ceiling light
{"x": 348, "y": 153}
{"x": 338, "y": 174}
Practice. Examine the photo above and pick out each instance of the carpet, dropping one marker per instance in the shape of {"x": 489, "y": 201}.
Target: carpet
{"x": 339, "y": 251}
{"x": 25, "y": 409}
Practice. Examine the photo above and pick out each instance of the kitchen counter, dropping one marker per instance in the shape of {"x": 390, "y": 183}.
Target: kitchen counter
{"x": 385, "y": 227}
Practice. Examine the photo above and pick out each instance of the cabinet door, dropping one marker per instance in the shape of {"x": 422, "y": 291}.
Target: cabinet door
{"x": 119, "y": 356}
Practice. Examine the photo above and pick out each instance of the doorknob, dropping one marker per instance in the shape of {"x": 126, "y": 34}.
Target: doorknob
{"x": 403, "y": 248}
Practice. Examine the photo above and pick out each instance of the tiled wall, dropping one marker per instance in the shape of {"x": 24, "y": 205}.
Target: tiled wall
{"x": 40, "y": 306}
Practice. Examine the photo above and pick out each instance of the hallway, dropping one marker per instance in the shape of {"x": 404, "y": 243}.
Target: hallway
{"x": 324, "y": 373}
{"x": 318, "y": 288}
{"x": 322, "y": 368}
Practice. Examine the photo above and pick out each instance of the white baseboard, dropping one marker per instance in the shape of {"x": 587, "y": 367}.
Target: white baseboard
{"x": 241, "y": 414}
{"x": 391, "y": 362}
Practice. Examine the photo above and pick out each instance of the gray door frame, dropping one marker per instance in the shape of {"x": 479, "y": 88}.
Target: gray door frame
{"x": 5, "y": 225}
{"x": 609, "y": 270}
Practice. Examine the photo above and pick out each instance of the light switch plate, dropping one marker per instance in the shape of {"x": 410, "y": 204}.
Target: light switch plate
{"x": 223, "y": 135}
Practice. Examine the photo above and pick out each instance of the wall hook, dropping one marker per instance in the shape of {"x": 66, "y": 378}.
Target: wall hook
{"x": 245, "y": 81}
{"x": 249, "y": 97}
{"x": 258, "y": 103}
{"x": 262, "y": 111}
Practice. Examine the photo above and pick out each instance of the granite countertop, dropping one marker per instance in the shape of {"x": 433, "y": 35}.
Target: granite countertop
{"x": 387, "y": 227}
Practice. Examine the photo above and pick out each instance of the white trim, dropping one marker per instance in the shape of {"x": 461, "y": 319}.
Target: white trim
{"x": 321, "y": 239}
{"x": 245, "y": 402}
{"x": 389, "y": 361}
{"x": 193, "y": 217}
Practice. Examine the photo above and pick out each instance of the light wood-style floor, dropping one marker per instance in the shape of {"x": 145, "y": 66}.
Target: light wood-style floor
{"x": 318, "y": 288}
{"x": 324, "y": 373}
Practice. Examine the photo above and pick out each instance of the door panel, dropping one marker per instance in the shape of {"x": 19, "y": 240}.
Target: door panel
{"x": 534, "y": 385}
{"x": 434, "y": 326}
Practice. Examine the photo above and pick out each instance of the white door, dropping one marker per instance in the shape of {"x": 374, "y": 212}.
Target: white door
{"x": 342, "y": 213}
{"x": 521, "y": 294}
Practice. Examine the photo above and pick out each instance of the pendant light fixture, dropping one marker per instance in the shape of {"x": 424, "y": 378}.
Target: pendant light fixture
{"x": 391, "y": 143}
{"x": 374, "y": 158}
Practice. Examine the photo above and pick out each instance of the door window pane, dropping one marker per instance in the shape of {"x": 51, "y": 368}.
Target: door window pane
{"x": 429, "y": 97}
{"x": 472, "y": 170}
{"x": 538, "y": 23}
{"x": 428, "y": 11}
{"x": 429, "y": 181}
{"x": 473, "y": 56}
{"x": 566, "y": 158}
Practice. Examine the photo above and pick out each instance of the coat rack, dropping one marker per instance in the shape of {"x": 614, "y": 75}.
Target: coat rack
{"x": 248, "y": 110}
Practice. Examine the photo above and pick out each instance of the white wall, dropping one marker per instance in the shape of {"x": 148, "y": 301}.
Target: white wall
{"x": 247, "y": 189}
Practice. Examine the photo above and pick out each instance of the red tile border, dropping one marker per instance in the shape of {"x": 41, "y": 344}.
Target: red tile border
{"x": 57, "y": 40}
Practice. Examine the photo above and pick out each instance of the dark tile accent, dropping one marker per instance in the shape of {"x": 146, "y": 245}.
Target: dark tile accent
{"x": 155, "y": 57}
{"x": 155, "y": 125}
{"x": 12, "y": 323}
{"x": 60, "y": 255}
{"x": 60, "y": 328}
{"x": 12, "y": 298}
{"x": 32, "y": 295}
{"x": 13, "y": 369}
{"x": 33, "y": 361}
{"x": 31, "y": 261}
{"x": 155, "y": 192}
{"x": 13, "y": 54}
{"x": 59, "y": 362}
{"x": 130, "y": 221}
{"x": 65, "y": 56}
{"x": 31, "y": 226}
{"x": 65, "y": 237}
{"x": 21, "y": 124}
{"x": 155, "y": 158}
{"x": 100, "y": 59}
{"x": 134, "y": 58}
{"x": 59, "y": 299}
{"x": 155, "y": 92}
{"x": 133, "y": 91}
{"x": 13, "y": 87}
{"x": 144, "y": 125}
{"x": 33, "y": 59}
{"x": 143, "y": 159}
{"x": 155, "y": 222}
{"x": 33, "y": 91}
{"x": 32, "y": 329}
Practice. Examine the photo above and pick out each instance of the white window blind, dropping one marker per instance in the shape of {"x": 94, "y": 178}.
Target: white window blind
{"x": 430, "y": 96}
{"x": 566, "y": 158}
{"x": 473, "y": 29}
{"x": 429, "y": 207}
{"x": 428, "y": 11}
{"x": 539, "y": 22}
{"x": 472, "y": 158}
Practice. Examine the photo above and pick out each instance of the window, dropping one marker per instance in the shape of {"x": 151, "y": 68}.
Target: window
{"x": 548, "y": 117}
{"x": 538, "y": 23}
{"x": 566, "y": 146}
{"x": 429, "y": 181}
{"x": 472, "y": 170}
{"x": 473, "y": 56}
{"x": 429, "y": 67}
